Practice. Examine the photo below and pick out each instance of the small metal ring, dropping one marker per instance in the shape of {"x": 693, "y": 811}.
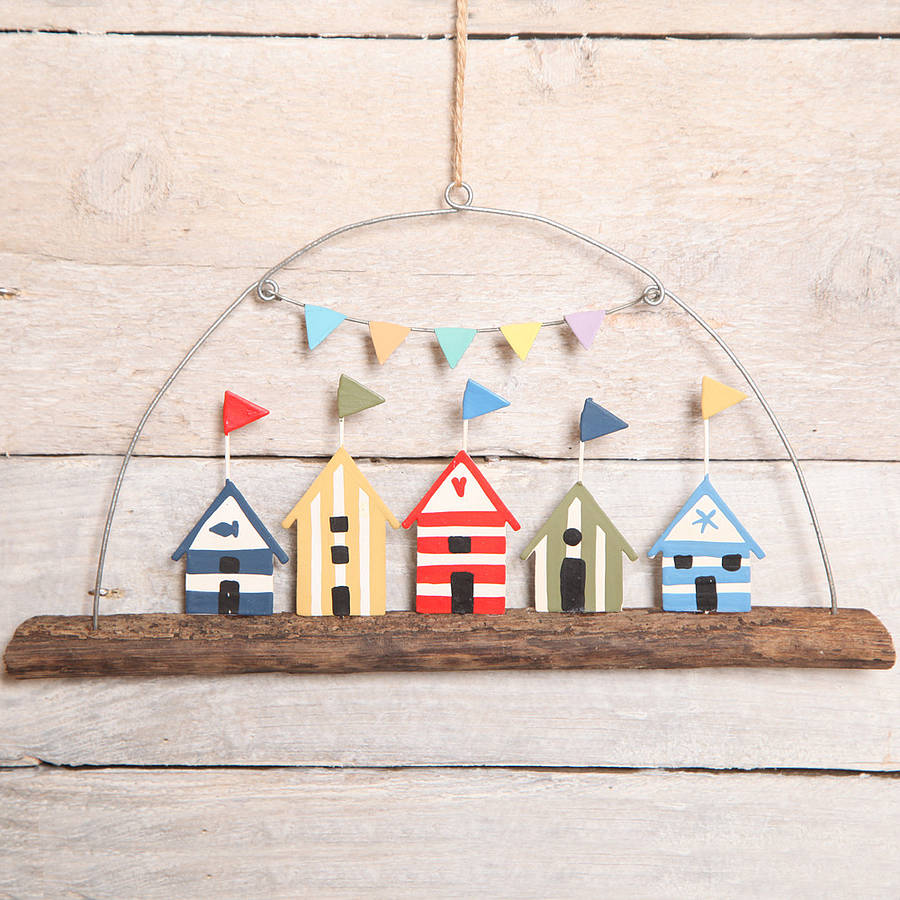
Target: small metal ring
{"x": 463, "y": 186}
{"x": 270, "y": 294}
{"x": 652, "y": 295}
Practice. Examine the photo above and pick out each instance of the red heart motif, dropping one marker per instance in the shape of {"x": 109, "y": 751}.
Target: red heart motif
{"x": 460, "y": 485}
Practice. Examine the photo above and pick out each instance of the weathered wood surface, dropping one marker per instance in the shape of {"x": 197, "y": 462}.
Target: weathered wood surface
{"x": 132, "y": 217}
{"x": 281, "y": 834}
{"x": 415, "y": 17}
{"x": 180, "y": 644}
{"x": 52, "y": 517}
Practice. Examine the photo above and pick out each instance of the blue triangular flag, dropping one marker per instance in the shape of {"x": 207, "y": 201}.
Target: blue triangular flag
{"x": 597, "y": 421}
{"x": 320, "y": 322}
{"x": 478, "y": 400}
{"x": 454, "y": 342}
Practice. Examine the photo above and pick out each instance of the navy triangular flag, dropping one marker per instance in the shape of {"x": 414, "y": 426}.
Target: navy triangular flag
{"x": 597, "y": 421}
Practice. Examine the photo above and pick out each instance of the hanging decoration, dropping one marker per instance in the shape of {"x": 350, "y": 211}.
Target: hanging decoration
{"x": 340, "y": 523}
{"x": 585, "y": 325}
{"x": 461, "y": 526}
{"x": 705, "y": 548}
{"x": 229, "y": 568}
{"x": 461, "y": 530}
{"x": 521, "y": 336}
{"x": 386, "y": 338}
{"x": 578, "y": 551}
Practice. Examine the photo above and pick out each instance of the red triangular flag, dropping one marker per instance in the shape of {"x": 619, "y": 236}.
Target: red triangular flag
{"x": 238, "y": 412}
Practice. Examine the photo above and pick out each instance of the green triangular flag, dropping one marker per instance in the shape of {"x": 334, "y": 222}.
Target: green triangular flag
{"x": 354, "y": 398}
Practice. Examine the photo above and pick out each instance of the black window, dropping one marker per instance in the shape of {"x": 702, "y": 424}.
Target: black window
{"x": 459, "y": 544}
{"x": 684, "y": 562}
{"x": 340, "y": 600}
{"x": 339, "y": 524}
{"x": 731, "y": 562}
{"x": 340, "y": 554}
{"x": 572, "y": 537}
{"x": 229, "y": 564}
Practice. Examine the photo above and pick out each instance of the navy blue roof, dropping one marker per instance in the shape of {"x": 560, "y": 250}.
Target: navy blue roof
{"x": 231, "y": 491}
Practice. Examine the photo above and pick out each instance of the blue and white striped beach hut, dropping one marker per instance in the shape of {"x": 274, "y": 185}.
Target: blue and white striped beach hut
{"x": 229, "y": 559}
{"x": 706, "y": 556}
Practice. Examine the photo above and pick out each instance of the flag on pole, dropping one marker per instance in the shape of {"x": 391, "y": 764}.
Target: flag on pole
{"x": 386, "y": 338}
{"x": 238, "y": 412}
{"x": 352, "y": 397}
{"x": 454, "y": 342}
{"x": 585, "y": 325}
{"x": 520, "y": 336}
{"x": 320, "y": 322}
{"x": 478, "y": 400}
{"x": 715, "y": 396}
{"x": 597, "y": 421}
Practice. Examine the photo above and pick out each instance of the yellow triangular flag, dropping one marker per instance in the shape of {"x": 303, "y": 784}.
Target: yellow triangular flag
{"x": 521, "y": 336}
{"x": 386, "y": 338}
{"x": 716, "y": 396}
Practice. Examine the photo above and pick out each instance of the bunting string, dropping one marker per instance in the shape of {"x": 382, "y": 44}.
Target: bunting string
{"x": 386, "y": 337}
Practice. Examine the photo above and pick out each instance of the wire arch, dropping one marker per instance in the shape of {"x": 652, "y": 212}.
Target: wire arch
{"x": 267, "y": 289}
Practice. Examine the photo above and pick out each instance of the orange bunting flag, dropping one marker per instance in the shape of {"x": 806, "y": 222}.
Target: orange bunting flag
{"x": 715, "y": 396}
{"x": 386, "y": 338}
{"x": 521, "y": 336}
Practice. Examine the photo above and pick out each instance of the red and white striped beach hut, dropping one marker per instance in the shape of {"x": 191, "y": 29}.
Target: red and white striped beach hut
{"x": 461, "y": 542}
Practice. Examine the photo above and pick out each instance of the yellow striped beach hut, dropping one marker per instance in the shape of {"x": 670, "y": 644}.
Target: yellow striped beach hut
{"x": 340, "y": 543}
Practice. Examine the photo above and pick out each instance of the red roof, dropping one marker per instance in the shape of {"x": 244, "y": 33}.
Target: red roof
{"x": 468, "y": 462}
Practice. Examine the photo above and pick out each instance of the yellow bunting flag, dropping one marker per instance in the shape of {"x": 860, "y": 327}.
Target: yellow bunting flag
{"x": 521, "y": 336}
{"x": 716, "y": 396}
{"x": 386, "y": 338}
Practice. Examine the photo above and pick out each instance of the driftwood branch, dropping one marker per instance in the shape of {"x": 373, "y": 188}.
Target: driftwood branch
{"x": 168, "y": 644}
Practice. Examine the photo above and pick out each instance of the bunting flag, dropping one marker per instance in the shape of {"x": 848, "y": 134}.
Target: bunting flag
{"x": 478, "y": 400}
{"x": 352, "y": 397}
{"x": 454, "y": 342}
{"x": 238, "y": 412}
{"x": 386, "y": 338}
{"x": 320, "y": 322}
{"x": 597, "y": 421}
{"x": 521, "y": 336}
{"x": 715, "y": 396}
{"x": 585, "y": 325}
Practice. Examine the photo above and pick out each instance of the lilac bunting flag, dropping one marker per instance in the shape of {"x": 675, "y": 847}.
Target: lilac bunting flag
{"x": 585, "y": 325}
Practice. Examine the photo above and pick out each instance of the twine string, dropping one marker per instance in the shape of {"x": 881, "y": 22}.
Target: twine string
{"x": 459, "y": 85}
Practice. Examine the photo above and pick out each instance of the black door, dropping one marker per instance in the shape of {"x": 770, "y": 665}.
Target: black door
{"x": 707, "y": 598}
{"x": 229, "y": 598}
{"x": 462, "y": 592}
{"x": 572, "y": 574}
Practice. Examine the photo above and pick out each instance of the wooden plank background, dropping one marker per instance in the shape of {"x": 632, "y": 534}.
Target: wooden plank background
{"x": 151, "y": 177}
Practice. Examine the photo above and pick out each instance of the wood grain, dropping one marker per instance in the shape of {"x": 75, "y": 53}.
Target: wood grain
{"x": 135, "y": 215}
{"x": 180, "y": 644}
{"x": 418, "y": 17}
{"x": 279, "y": 834}
{"x": 50, "y": 527}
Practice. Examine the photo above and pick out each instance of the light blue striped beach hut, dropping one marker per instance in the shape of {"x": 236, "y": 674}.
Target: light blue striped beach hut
{"x": 706, "y": 556}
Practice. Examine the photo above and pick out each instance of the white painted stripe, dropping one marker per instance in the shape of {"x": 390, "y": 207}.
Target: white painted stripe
{"x": 573, "y": 520}
{"x": 315, "y": 556}
{"x": 540, "y": 576}
{"x": 365, "y": 588}
{"x": 600, "y": 567}
{"x": 734, "y": 587}
{"x": 461, "y": 559}
{"x": 462, "y": 530}
{"x": 443, "y": 590}
{"x": 698, "y": 561}
{"x": 249, "y": 584}
{"x": 338, "y": 539}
